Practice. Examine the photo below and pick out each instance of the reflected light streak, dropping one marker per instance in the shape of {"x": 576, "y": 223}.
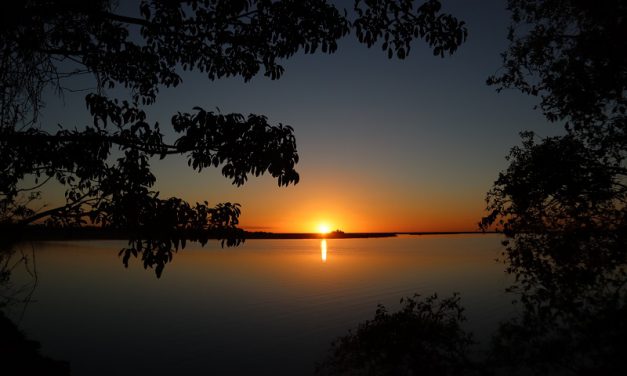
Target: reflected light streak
{"x": 323, "y": 250}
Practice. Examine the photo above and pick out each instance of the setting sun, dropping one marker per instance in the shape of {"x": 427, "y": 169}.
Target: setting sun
{"x": 323, "y": 228}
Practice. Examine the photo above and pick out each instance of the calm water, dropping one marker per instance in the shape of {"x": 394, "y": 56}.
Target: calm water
{"x": 267, "y": 307}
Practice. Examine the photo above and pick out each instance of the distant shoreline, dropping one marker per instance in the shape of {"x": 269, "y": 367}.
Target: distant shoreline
{"x": 354, "y": 235}
{"x": 94, "y": 233}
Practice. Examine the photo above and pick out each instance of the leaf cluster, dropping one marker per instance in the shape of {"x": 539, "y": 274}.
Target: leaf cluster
{"x": 571, "y": 54}
{"x": 398, "y": 24}
{"x": 561, "y": 184}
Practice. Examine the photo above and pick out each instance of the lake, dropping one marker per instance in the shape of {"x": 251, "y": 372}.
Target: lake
{"x": 268, "y": 307}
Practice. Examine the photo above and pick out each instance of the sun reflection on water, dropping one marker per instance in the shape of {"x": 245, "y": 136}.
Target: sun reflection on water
{"x": 323, "y": 250}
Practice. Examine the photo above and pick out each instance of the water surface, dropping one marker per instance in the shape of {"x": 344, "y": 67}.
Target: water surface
{"x": 267, "y": 307}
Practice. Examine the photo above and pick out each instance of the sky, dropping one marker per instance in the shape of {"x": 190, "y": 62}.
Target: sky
{"x": 384, "y": 145}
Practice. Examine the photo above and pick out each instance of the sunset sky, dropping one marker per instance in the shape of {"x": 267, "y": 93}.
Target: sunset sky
{"x": 384, "y": 145}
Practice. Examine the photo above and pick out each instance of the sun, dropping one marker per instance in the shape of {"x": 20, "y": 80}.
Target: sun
{"x": 323, "y": 228}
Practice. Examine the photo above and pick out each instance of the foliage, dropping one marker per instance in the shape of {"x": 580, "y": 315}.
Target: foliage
{"x": 570, "y": 54}
{"x": 558, "y": 184}
{"x": 220, "y": 38}
{"x": 424, "y": 337}
{"x": 105, "y": 166}
{"x": 572, "y": 288}
{"x": 562, "y": 202}
{"x": 395, "y": 22}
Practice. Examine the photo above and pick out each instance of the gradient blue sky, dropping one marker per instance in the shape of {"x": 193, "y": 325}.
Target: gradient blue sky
{"x": 385, "y": 145}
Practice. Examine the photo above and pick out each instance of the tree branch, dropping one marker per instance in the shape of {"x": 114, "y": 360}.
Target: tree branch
{"x": 126, "y": 19}
{"x": 56, "y": 210}
{"x": 35, "y": 187}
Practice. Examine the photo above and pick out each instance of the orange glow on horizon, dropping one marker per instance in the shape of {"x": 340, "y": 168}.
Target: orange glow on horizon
{"x": 349, "y": 198}
{"x": 410, "y": 222}
{"x": 334, "y": 202}
{"x": 367, "y": 220}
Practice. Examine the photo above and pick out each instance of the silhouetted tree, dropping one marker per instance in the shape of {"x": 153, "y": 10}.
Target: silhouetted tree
{"x": 562, "y": 202}
{"x": 557, "y": 184}
{"x": 105, "y": 165}
{"x": 424, "y": 337}
{"x": 571, "y": 54}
